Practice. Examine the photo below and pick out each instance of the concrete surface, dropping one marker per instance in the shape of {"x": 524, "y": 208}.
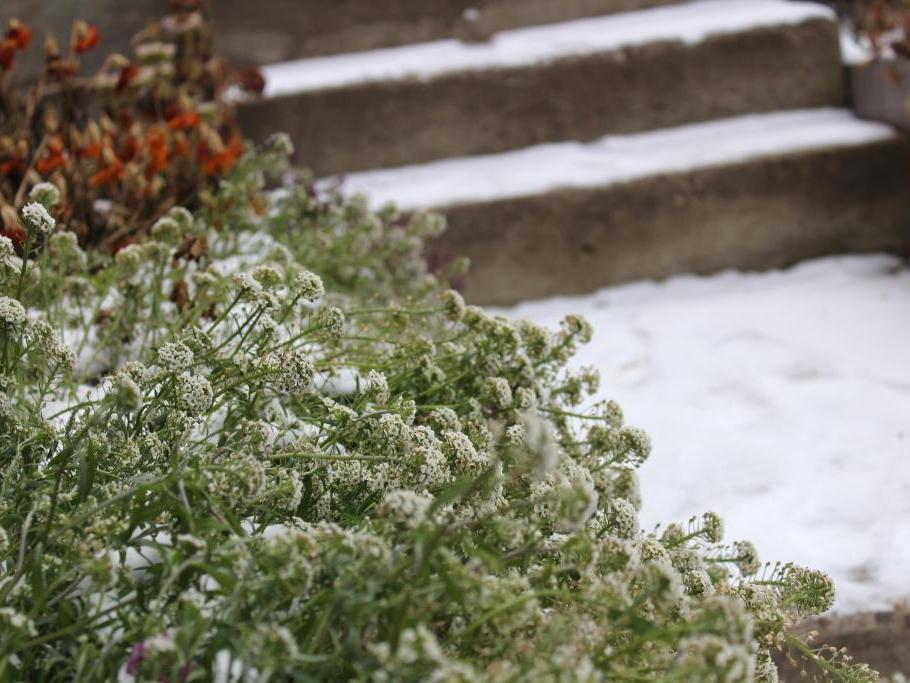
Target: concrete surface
{"x": 658, "y": 85}
{"x": 760, "y": 214}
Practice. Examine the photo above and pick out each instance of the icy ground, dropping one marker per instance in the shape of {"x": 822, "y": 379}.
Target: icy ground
{"x": 780, "y": 400}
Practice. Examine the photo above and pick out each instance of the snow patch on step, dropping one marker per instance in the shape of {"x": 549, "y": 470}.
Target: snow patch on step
{"x": 688, "y": 23}
{"x": 612, "y": 159}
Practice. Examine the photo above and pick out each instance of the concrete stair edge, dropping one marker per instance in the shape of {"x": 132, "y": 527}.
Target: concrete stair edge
{"x": 293, "y": 29}
{"x": 750, "y": 212}
{"x": 380, "y": 124}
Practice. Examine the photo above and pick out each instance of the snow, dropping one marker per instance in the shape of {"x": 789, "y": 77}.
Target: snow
{"x": 855, "y": 50}
{"x": 612, "y": 159}
{"x": 688, "y": 23}
{"x": 780, "y": 400}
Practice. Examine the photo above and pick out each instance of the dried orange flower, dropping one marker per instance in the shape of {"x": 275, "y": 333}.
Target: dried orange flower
{"x": 86, "y": 37}
{"x": 53, "y": 158}
{"x": 19, "y": 34}
{"x": 183, "y": 121}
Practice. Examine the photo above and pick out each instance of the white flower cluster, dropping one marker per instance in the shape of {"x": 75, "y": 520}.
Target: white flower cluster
{"x": 498, "y": 392}
{"x": 406, "y": 507}
{"x": 293, "y": 370}
{"x": 386, "y": 483}
{"x": 45, "y": 194}
{"x": 309, "y": 286}
{"x": 175, "y": 356}
{"x": 279, "y": 143}
{"x": 17, "y": 623}
{"x": 7, "y": 252}
{"x": 194, "y": 394}
{"x": 12, "y": 313}
{"x": 38, "y": 220}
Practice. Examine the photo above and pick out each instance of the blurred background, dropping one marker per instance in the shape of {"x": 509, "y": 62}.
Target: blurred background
{"x": 719, "y": 185}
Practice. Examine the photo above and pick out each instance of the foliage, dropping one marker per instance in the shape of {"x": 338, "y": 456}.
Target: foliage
{"x": 267, "y": 444}
{"x": 125, "y": 144}
{"x": 885, "y": 24}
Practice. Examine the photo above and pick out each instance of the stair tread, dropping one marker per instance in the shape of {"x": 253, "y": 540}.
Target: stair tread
{"x": 613, "y": 159}
{"x": 689, "y": 23}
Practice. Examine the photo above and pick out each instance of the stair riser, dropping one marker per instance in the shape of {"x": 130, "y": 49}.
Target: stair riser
{"x": 755, "y": 215}
{"x": 281, "y": 30}
{"x": 652, "y": 86}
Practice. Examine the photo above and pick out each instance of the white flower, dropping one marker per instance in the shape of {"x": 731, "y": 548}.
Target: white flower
{"x": 454, "y": 305}
{"x": 175, "y": 356}
{"x": 331, "y": 318}
{"x": 515, "y": 435}
{"x": 697, "y": 582}
{"x": 622, "y": 518}
{"x": 746, "y": 557}
{"x": 377, "y": 386}
{"x": 294, "y": 371}
{"x": 280, "y": 143}
{"x": 182, "y": 217}
{"x": 45, "y": 194}
{"x": 406, "y": 507}
{"x": 498, "y": 392}
{"x": 461, "y": 451}
{"x": 7, "y": 251}
{"x": 713, "y": 527}
{"x": 165, "y": 229}
{"x": 17, "y": 622}
{"x": 128, "y": 261}
{"x": 248, "y": 288}
{"x": 268, "y": 275}
{"x": 125, "y": 393}
{"x": 12, "y": 313}
{"x": 38, "y": 220}
{"x": 194, "y": 394}
{"x": 309, "y": 285}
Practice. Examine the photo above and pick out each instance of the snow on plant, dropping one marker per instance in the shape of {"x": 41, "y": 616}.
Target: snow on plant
{"x": 268, "y": 444}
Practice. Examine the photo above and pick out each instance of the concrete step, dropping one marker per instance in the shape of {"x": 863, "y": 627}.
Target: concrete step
{"x": 751, "y": 192}
{"x": 280, "y": 30}
{"x": 571, "y": 81}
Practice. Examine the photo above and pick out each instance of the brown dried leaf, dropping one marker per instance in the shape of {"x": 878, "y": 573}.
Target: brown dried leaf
{"x": 193, "y": 248}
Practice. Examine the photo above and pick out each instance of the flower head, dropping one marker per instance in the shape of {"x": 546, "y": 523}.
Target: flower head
{"x": 12, "y": 313}
{"x": 38, "y": 220}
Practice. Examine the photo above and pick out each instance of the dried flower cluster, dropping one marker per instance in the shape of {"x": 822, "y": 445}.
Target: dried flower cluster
{"x": 120, "y": 147}
{"x": 286, "y": 451}
{"x": 886, "y": 26}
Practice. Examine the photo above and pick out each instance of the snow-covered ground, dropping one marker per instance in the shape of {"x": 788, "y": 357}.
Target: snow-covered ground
{"x": 780, "y": 400}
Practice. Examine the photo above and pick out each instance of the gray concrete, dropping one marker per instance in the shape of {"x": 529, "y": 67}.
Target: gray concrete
{"x": 641, "y": 88}
{"x": 756, "y": 215}
{"x": 881, "y": 92}
{"x": 288, "y": 29}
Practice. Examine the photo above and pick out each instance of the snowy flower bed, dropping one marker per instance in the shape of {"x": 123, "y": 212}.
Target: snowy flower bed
{"x": 267, "y": 444}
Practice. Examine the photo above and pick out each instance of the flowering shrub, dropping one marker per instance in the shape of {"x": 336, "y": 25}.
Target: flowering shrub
{"x": 285, "y": 451}
{"x": 886, "y": 26}
{"x": 126, "y": 144}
